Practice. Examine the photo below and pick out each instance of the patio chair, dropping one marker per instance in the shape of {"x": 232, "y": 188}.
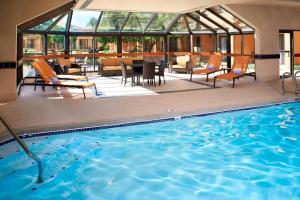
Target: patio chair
{"x": 126, "y": 74}
{"x": 213, "y": 66}
{"x": 238, "y": 70}
{"x": 54, "y": 82}
{"x": 161, "y": 71}
{"x": 149, "y": 72}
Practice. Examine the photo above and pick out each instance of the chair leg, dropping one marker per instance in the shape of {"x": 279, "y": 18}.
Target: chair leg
{"x": 125, "y": 82}
{"x": 215, "y": 78}
{"x": 83, "y": 93}
{"x": 96, "y": 89}
{"x": 35, "y": 85}
{"x": 191, "y": 77}
{"x": 143, "y": 83}
{"x": 233, "y": 83}
{"x": 154, "y": 82}
{"x": 206, "y": 77}
{"x": 122, "y": 81}
{"x": 164, "y": 80}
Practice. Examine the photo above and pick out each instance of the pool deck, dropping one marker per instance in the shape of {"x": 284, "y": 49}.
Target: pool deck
{"x": 37, "y": 113}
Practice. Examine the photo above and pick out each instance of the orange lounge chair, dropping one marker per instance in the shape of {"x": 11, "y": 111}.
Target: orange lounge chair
{"x": 213, "y": 66}
{"x": 49, "y": 72}
{"x": 54, "y": 82}
{"x": 238, "y": 70}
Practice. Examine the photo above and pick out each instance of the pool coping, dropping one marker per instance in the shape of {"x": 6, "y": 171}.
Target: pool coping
{"x": 141, "y": 122}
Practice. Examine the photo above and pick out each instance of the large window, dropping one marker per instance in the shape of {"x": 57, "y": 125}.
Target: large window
{"x": 106, "y": 44}
{"x": 153, "y": 44}
{"x": 56, "y": 44}
{"x": 33, "y": 44}
{"x": 132, "y": 44}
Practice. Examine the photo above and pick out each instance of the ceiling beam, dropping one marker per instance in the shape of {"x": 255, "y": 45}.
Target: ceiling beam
{"x": 98, "y": 21}
{"x": 187, "y": 24}
{"x": 201, "y": 23}
{"x": 224, "y": 19}
{"x": 69, "y": 21}
{"x": 211, "y": 21}
{"x": 125, "y": 21}
{"x": 171, "y": 24}
{"x": 54, "y": 23}
{"x": 150, "y": 22}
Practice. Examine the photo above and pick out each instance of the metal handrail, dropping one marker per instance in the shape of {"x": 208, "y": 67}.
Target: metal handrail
{"x": 294, "y": 77}
{"x": 25, "y": 148}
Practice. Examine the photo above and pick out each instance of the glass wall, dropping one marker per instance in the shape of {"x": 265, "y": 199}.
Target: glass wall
{"x": 204, "y": 43}
{"x": 56, "y": 44}
{"x": 132, "y": 44}
{"x": 153, "y": 44}
{"x": 84, "y": 21}
{"x": 82, "y": 45}
{"x": 33, "y": 44}
{"x": 179, "y": 43}
{"x": 106, "y": 44}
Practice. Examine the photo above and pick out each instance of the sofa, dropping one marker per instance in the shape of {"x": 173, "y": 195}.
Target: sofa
{"x": 112, "y": 67}
{"x": 183, "y": 64}
{"x": 68, "y": 66}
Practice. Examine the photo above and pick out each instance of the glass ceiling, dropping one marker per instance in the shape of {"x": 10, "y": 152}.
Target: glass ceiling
{"x": 208, "y": 21}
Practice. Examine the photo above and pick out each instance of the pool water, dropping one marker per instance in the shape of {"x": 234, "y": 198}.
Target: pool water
{"x": 251, "y": 154}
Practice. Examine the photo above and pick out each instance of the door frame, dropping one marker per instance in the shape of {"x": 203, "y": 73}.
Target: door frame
{"x": 291, "y": 32}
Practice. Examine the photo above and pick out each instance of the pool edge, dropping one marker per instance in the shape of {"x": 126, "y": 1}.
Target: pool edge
{"x": 145, "y": 121}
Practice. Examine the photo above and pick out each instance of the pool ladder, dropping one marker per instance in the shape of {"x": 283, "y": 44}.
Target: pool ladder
{"x": 25, "y": 148}
{"x": 294, "y": 78}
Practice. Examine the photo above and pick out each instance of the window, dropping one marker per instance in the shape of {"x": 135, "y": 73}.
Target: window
{"x": 33, "y": 44}
{"x": 161, "y": 22}
{"x": 84, "y": 21}
{"x": 106, "y": 44}
{"x": 180, "y": 26}
{"x": 153, "y": 44}
{"x": 81, "y": 44}
{"x": 61, "y": 24}
{"x": 45, "y": 25}
{"x": 56, "y": 44}
{"x": 223, "y": 44}
{"x": 111, "y": 21}
{"x": 179, "y": 43}
{"x": 137, "y": 22}
{"x": 132, "y": 44}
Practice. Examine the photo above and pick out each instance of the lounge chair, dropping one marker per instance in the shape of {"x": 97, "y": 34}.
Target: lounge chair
{"x": 50, "y": 73}
{"x": 238, "y": 70}
{"x": 213, "y": 66}
{"x": 54, "y": 82}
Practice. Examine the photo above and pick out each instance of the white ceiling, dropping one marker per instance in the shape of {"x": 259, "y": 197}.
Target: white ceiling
{"x": 170, "y": 6}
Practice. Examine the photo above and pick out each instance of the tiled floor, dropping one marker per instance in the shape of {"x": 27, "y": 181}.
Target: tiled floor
{"x": 67, "y": 108}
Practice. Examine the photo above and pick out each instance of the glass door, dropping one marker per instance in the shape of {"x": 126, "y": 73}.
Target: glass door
{"x": 286, "y": 52}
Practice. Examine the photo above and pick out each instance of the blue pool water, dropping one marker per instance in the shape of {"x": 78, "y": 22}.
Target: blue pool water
{"x": 252, "y": 154}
